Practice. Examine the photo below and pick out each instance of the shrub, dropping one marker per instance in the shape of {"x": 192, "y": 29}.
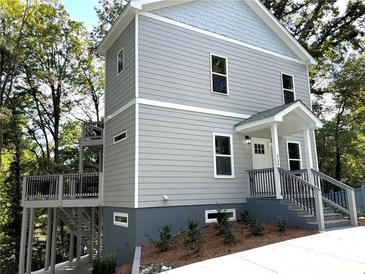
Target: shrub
{"x": 281, "y": 224}
{"x": 105, "y": 264}
{"x": 222, "y": 221}
{"x": 255, "y": 227}
{"x": 194, "y": 236}
{"x": 245, "y": 217}
{"x": 166, "y": 239}
{"x": 228, "y": 235}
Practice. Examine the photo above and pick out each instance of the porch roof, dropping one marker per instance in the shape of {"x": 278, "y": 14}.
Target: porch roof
{"x": 290, "y": 118}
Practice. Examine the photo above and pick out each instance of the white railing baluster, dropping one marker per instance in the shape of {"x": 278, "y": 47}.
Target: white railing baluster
{"x": 60, "y": 190}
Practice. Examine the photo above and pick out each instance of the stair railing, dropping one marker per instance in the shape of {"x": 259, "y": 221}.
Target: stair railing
{"x": 303, "y": 194}
{"x": 337, "y": 194}
{"x": 262, "y": 183}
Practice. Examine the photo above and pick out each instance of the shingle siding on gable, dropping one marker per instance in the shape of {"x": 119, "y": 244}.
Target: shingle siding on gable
{"x": 232, "y": 18}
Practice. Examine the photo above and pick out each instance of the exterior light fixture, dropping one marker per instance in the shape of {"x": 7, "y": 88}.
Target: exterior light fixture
{"x": 248, "y": 140}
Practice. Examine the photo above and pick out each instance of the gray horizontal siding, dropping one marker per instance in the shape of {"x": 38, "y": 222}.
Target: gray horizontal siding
{"x": 174, "y": 67}
{"x": 120, "y": 89}
{"x": 176, "y": 159}
{"x": 119, "y": 166}
{"x": 233, "y": 19}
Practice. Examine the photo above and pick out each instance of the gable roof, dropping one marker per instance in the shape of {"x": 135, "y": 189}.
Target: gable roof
{"x": 259, "y": 9}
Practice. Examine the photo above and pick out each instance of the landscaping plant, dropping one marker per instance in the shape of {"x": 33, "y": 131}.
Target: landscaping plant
{"x": 166, "y": 239}
{"x": 105, "y": 264}
{"x": 281, "y": 224}
{"x": 255, "y": 227}
{"x": 245, "y": 217}
{"x": 222, "y": 221}
{"x": 228, "y": 235}
{"x": 194, "y": 236}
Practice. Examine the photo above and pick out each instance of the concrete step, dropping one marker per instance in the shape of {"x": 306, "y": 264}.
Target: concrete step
{"x": 335, "y": 223}
{"x": 327, "y": 217}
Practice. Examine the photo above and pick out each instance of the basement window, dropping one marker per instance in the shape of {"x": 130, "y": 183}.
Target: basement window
{"x": 120, "y": 137}
{"x": 211, "y": 215}
{"x": 120, "y": 219}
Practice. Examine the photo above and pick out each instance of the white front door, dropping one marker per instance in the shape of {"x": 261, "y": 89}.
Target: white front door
{"x": 261, "y": 153}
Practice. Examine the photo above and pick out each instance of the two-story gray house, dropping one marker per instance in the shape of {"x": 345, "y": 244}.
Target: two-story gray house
{"x": 206, "y": 103}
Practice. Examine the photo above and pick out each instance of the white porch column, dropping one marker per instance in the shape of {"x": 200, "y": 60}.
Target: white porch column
{"x": 48, "y": 240}
{"x": 309, "y": 156}
{"x": 53, "y": 245}
{"x": 23, "y": 239}
{"x": 30, "y": 242}
{"x": 78, "y": 245}
{"x": 81, "y": 159}
{"x": 276, "y": 159}
{"x": 71, "y": 251}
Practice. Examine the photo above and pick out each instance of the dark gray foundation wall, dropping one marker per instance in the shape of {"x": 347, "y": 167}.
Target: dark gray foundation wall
{"x": 148, "y": 221}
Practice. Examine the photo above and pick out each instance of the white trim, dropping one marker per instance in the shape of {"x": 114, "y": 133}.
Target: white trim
{"x": 136, "y": 150}
{"x": 221, "y": 37}
{"x": 117, "y": 135}
{"x": 282, "y": 85}
{"x": 300, "y": 153}
{"x": 191, "y": 108}
{"x": 119, "y": 72}
{"x": 219, "y": 74}
{"x": 231, "y": 156}
{"x": 120, "y": 110}
{"x": 214, "y": 220}
{"x": 120, "y": 214}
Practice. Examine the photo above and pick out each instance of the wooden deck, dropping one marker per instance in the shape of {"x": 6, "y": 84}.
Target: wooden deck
{"x": 70, "y": 268}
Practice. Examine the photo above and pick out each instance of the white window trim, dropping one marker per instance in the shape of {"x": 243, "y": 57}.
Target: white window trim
{"x": 209, "y": 221}
{"x": 126, "y": 136}
{"x": 122, "y": 49}
{"x": 211, "y": 74}
{"x": 120, "y": 214}
{"x": 282, "y": 86}
{"x": 300, "y": 153}
{"x": 231, "y": 156}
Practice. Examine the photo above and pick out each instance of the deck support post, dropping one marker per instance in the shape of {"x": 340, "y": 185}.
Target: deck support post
{"x": 48, "y": 240}
{"x": 276, "y": 159}
{"x": 91, "y": 253}
{"x": 53, "y": 244}
{"x": 319, "y": 209}
{"x": 100, "y": 220}
{"x": 30, "y": 242}
{"x": 23, "y": 240}
{"x": 78, "y": 245}
{"x": 81, "y": 159}
{"x": 352, "y": 206}
{"x": 71, "y": 250}
{"x": 309, "y": 157}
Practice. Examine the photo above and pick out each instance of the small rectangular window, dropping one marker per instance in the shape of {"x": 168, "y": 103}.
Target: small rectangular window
{"x": 223, "y": 156}
{"x": 120, "y": 219}
{"x": 294, "y": 155}
{"x": 259, "y": 149}
{"x": 120, "y": 137}
{"x": 120, "y": 61}
{"x": 288, "y": 88}
{"x": 211, "y": 215}
{"x": 219, "y": 74}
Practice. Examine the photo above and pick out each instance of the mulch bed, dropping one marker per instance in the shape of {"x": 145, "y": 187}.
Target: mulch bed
{"x": 214, "y": 245}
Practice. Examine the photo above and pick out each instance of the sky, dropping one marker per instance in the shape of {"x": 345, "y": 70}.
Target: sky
{"x": 83, "y": 11}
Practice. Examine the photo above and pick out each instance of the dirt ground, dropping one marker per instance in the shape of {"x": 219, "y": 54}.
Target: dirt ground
{"x": 214, "y": 245}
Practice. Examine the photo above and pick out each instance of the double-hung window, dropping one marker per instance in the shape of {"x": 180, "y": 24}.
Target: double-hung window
{"x": 294, "y": 155}
{"x": 223, "y": 156}
{"x": 288, "y": 88}
{"x": 120, "y": 61}
{"x": 219, "y": 74}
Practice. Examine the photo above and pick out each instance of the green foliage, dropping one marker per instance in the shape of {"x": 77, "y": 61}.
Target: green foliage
{"x": 166, "y": 239}
{"x": 245, "y": 217}
{"x": 222, "y": 221}
{"x": 255, "y": 227}
{"x": 281, "y": 224}
{"x": 105, "y": 264}
{"x": 193, "y": 236}
{"x": 228, "y": 235}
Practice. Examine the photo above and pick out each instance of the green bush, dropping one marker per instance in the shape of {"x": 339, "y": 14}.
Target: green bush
{"x": 222, "y": 221}
{"x": 105, "y": 264}
{"x": 281, "y": 224}
{"x": 255, "y": 227}
{"x": 228, "y": 235}
{"x": 194, "y": 236}
{"x": 245, "y": 217}
{"x": 166, "y": 239}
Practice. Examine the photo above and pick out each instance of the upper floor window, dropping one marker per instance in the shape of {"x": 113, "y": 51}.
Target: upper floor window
{"x": 120, "y": 61}
{"x": 288, "y": 88}
{"x": 219, "y": 74}
{"x": 120, "y": 137}
{"x": 223, "y": 156}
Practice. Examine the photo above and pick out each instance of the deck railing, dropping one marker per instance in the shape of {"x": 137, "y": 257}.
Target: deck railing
{"x": 92, "y": 131}
{"x": 63, "y": 187}
{"x": 262, "y": 183}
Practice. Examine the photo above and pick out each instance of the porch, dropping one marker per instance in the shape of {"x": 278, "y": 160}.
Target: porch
{"x": 307, "y": 188}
